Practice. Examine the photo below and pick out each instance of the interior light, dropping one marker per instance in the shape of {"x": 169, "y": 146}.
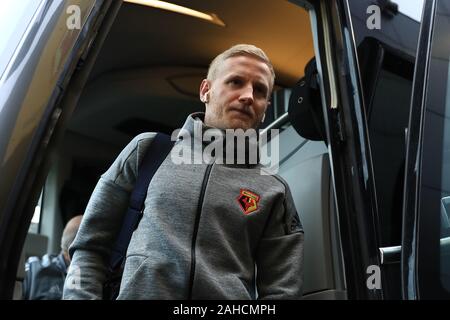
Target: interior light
{"x": 179, "y": 9}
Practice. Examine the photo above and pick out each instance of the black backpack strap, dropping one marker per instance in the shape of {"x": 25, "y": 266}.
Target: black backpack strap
{"x": 154, "y": 156}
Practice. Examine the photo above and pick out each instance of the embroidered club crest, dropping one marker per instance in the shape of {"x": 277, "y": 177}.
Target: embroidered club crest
{"x": 248, "y": 201}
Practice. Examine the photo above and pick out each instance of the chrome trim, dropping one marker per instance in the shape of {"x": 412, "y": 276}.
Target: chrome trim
{"x": 444, "y": 246}
{"x": 390, "y": 254}
{"x": 282, "y": 120}
{"x": 326, "y": 35}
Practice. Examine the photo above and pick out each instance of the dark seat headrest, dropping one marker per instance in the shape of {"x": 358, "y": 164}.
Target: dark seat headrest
{"x": 305, "y": 105}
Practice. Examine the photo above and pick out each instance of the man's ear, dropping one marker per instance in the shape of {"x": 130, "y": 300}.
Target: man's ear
{"x": 204, "y": 90}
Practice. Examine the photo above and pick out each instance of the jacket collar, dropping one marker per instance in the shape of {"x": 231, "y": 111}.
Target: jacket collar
{"x": 244, "y": 154}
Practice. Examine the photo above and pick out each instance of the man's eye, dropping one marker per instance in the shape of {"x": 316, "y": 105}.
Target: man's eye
{"x": 260, "y": 90}
{"x": 235, "y": 82}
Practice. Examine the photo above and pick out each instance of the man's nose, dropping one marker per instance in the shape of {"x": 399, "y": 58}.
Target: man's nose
{"x": 247, "y": 95}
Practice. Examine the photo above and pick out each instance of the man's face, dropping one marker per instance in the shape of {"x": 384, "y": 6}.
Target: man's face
{"x": 238, "y": 97}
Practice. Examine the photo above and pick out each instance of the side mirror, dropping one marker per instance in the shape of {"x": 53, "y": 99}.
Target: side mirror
{"x": 305, "y": 106}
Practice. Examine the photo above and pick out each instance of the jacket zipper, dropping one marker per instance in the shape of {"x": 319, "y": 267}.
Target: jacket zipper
{"x": 197, "y": 222}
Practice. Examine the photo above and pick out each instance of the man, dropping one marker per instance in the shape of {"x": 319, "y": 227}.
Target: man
{"x": 205, "y": 226}
{"x": 44, "y": 279}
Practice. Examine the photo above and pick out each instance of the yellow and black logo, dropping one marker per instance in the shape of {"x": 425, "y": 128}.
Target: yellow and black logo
{"x": 248, "y": 201}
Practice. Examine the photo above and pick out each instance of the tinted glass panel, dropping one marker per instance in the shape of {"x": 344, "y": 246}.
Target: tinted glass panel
{"x": 386, "y": 58}
{"x": 15, "y": 17}
{"x": 434, "y": 236}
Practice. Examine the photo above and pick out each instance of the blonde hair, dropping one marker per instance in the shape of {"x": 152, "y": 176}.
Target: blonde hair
{"x": 240, "y": 50}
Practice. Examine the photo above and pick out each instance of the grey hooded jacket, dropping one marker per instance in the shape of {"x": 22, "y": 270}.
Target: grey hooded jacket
{"x": 209, "y": 231}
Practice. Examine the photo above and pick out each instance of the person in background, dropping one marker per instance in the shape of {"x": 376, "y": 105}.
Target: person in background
{"x": 44, "y": 279}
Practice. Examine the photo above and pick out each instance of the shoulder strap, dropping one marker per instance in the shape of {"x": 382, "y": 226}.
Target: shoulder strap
{"x": 154, "y": 156}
